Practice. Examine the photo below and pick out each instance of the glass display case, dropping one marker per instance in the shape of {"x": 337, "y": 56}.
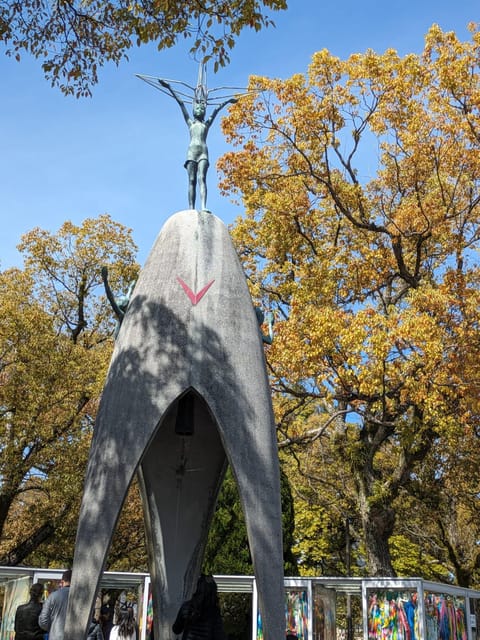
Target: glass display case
{"x": 316, "y": 608}
{"x": 309, "y": 611}
{"x": 415, "y": 609}
{"x": 324, "y": 613}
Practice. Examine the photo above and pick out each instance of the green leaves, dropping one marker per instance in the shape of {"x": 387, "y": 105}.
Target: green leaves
{"x": 74, "y": 38}
{"x": 227, "y": 550}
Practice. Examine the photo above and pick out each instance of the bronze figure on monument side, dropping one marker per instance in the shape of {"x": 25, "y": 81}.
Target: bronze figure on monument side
{"x": 119, "y": 305}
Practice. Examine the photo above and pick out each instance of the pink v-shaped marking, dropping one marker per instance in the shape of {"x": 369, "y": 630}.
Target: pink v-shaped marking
{"x": 195, "y": 297}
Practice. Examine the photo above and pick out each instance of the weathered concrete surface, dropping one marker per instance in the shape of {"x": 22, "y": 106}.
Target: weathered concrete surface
{"x": 191, "y": 332}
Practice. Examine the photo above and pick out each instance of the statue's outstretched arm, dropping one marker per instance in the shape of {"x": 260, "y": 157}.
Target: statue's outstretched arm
{"x": 216, "y": 111}
{"x": 269, "y": 319}
{"x": 176, "y": 97}
{"x": 111, "y": 298}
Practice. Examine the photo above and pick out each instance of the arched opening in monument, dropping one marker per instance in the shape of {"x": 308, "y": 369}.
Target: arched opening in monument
{"x": 180, "y": 476}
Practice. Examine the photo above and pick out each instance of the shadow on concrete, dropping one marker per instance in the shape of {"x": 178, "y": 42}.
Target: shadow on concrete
{"x": 159, "y": 357}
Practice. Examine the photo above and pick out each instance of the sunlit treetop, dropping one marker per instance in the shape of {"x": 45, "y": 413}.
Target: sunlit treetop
{"x": 360, "y": 186}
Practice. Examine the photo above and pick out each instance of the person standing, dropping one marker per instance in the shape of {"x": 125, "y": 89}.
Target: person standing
{"x": 26, "y": 616}
{"x": 125, "y": 629}
{"x": 95, "y": 631}
{"x": 106, "y": 619}
{"x": 54, "y": 610}
{"x": 200, "y": 618}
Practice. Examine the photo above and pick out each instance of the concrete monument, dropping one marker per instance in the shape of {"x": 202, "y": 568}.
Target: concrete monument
{"x": 186, "y": 394}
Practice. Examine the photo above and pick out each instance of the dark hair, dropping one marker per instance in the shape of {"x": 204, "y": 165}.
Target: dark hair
{"x": 126, "y": 622}
{"x": 36, "y": 591}
{"x": 67, "y": 576}
{"x": 205, "y": 598}
{"x": 106, "y": 610}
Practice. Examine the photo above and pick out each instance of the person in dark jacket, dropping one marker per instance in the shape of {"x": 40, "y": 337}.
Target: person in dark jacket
{"x": 200, "y": 618}
{"x": 106, "y": 619}
{"x": 95, "y": 631}
{"x": 26, "y": 616}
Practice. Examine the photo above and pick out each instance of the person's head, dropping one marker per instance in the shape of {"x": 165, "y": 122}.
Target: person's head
{"x": 199, "y": 109}
{"x": 126, "y": 622}
{"x": 106, "y": 612}
{"x": 205, "y": 596}
{"x": 36, "y": 591}
{"x": 66, "y": 577}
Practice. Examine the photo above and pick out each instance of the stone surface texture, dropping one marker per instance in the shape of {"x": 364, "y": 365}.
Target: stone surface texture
{"x": 189, "y": 340}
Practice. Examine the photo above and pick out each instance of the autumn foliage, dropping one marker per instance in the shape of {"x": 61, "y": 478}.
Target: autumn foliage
{"x": 360, "y": 182}
{"x": 74, "y": 38}
{"x": 55, "y": 345}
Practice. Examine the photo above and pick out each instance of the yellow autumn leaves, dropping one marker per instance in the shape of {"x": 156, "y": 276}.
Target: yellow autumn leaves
{"x": 360, "y": 182}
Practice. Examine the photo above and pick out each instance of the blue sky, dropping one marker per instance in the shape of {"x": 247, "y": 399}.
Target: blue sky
{"x": 122, "y": 151}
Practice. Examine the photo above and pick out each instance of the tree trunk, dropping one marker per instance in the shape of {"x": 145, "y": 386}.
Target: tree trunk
{"x": 378, "y": 525}
{"x": 375, "y": 506}
{"x": 6, "y": 500}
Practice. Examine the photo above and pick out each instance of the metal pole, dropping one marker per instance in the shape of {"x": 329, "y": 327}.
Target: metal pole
{"x": 348, "y": 568}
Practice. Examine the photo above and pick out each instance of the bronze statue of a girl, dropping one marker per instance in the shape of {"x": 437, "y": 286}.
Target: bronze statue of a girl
{"x": 197, "y": 162}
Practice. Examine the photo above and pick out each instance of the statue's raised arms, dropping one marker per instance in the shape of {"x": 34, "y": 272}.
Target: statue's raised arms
{"x": 199, "y": 97}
